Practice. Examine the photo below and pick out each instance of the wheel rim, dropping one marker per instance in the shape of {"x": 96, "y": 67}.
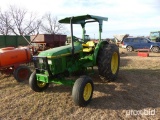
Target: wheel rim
{"x": 87, "y": 91}
{"x": 155, "y": 49}
{"x": 129, "y": 48}
{"x": 41, "y": 84}
{"x": 114, "y": 63}
{"x": 23, "y": 74}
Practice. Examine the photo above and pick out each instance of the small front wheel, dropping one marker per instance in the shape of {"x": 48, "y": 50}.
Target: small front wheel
{"x": 22, "y": 73}
{"x": 82, "y": 91}
{"x": 36, "y": 85}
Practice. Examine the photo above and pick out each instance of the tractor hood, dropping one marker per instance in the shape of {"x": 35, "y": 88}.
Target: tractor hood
{"x": 61, "y": 51}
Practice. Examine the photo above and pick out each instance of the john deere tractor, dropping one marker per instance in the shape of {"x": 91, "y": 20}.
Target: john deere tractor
{"x": 58, "y": 64}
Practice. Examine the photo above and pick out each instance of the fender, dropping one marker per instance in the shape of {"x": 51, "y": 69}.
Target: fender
{"x": 98, "y": 46}
{"x": 155, "y": 45}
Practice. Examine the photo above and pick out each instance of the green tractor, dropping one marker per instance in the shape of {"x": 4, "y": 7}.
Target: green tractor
{"x": 155, "y": 36}
{"x": 58, "y": 64}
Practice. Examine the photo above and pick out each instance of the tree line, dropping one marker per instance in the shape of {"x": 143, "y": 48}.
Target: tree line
{"x": 19, "y": 21}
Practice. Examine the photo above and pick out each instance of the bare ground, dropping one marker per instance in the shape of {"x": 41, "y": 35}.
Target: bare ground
{"x": 136, "y": 92}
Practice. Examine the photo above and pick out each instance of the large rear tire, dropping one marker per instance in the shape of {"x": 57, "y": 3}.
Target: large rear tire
{"x": 108, "y": 62}
{"x": 36, "y": 85}
{"x": 22, "y": 73}
{"x": 82, "y": 91}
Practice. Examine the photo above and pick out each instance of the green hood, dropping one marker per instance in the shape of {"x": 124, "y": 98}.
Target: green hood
{"x": 61, "y": 51}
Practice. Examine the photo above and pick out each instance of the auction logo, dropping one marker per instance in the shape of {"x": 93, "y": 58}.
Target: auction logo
{"x": 141, "y": 112}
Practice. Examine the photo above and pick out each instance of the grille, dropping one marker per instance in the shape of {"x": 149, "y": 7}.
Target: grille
{"x": 41, "y": 64}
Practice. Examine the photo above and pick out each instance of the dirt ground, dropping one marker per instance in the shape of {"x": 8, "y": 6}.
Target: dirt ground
{"x": 134, "y": 95}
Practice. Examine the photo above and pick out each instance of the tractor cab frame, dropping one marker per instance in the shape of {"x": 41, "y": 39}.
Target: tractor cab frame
{"x": 82, "y": 20}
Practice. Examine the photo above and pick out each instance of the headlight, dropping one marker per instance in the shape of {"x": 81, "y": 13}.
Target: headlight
{"x": 49, "y": 61}
{"x": 40, "y": 60}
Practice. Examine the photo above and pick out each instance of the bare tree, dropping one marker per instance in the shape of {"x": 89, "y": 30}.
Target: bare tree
{"x": 20, "y": 24}
{"x": 19, "y": 21}
{"x": 5, "y": 21}
{"x": 51, "y": 25}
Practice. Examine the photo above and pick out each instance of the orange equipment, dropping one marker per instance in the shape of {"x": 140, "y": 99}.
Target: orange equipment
{"x": 10, "y": 60}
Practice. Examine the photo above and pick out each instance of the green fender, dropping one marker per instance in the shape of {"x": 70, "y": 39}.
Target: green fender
{"x": 98, "y": 46}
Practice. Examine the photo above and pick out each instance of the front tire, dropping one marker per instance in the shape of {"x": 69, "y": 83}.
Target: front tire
{"x": 82, "y": 91}
{"x": 36, "y": 85}
{"x": 108, "y": 62}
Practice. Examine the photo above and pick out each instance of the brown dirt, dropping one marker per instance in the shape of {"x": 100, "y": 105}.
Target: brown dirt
{"x": 136, "y": 89}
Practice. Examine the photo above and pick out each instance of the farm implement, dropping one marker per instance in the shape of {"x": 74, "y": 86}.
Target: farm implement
{"x": 11, "y": 59}
{"x": 57, "y": 64}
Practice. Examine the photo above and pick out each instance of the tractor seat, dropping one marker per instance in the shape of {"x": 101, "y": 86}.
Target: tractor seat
{"x": 88, "y": 46}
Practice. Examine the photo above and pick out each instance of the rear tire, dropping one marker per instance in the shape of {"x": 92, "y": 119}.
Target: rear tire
{"x": 129, "y": 48}
{"x": 108, "y": 62}
{"x": 82, "y": 91}
{"x": 155, "y": 49}
{"x": 36, "y": 85}
{"x": 22, "y": 73}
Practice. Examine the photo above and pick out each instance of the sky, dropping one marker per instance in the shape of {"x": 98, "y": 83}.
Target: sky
{"x": 133, "y": 17}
